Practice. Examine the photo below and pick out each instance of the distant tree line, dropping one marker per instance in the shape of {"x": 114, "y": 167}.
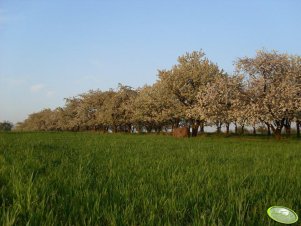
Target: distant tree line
{"x": 6, "y": 126}
{"x": 263, "y": 91}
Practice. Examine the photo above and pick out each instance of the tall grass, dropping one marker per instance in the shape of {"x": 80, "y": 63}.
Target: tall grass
{"x": 92, "y": 179}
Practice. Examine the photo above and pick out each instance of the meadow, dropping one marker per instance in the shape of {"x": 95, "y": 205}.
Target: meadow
{"x": 64, "y": 178}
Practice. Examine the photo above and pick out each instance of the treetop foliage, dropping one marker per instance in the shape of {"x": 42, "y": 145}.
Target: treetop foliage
{"x": 6, "y": 126}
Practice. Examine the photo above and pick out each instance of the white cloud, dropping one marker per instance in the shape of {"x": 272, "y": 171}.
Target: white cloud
{"x": 50, "y": 93}
{"x": 36, "y": 88}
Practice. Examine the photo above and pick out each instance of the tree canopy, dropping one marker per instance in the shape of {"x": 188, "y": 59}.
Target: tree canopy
{"x": 263, "y": 90}
{"x": 6, "y": 126}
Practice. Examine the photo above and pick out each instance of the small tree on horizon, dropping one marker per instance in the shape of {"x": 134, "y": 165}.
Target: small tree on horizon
{"x": 6, "y": 126}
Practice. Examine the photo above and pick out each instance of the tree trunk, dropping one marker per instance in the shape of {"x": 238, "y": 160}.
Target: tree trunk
{"x": 176, "y": 123}
{"x": 149, "y": 129}
{"x": 202, "y": 127}
{"x": 277, "y": 131}
{"x": 235, "y": 127}
{"x": 138, "y": 128}
{"x": 157, "y": 129}
{"x": 269, "y": 129}
{"x": 288, "y": 130}
{"x": 227, "y": 128}
{"x": 195, "y": 127}
{"x": 298, "y": 123}
{"x": 287, "y": 125}
{"x": 129, "y": 128}
{"x": 115, "y": 129}
{"x": 254, "y": 130}
{"x": 218, "y": 127}
{"x": 242, "y": 129}
{"x": 194, "y": 131}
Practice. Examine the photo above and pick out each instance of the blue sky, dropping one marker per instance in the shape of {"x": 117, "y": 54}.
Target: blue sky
{"x": 54, "y": 49}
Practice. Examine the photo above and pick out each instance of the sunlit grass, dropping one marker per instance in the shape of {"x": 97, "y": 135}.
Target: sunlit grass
{"x": 93, "y": 179}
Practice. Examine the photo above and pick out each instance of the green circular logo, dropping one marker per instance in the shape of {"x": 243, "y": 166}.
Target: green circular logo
{"x": 282, "y": 214}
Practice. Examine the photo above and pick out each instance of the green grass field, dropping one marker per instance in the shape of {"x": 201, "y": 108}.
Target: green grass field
{"x": 92, "y": 179}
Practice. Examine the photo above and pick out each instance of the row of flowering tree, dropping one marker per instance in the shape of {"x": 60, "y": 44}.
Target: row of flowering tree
{"x": 264, "y": 90}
